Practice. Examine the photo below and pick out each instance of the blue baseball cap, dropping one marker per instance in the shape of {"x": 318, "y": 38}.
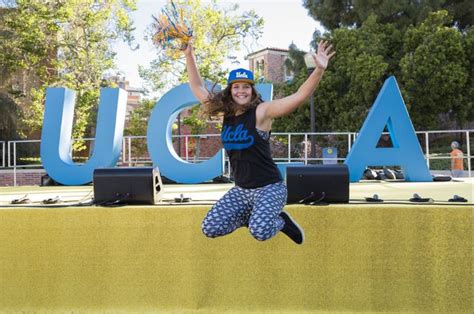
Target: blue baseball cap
{"x": 240, "y": 75}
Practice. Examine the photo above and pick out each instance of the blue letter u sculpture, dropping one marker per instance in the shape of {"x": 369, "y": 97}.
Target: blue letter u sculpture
{"x": 57, "y": 129}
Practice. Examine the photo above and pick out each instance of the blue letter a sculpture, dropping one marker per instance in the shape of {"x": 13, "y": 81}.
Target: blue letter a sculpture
{"x": 57, "y": 128}
{"x": 388, "y": 110}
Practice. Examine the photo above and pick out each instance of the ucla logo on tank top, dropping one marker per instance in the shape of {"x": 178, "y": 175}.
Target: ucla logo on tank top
{"x": 236, "y": 137}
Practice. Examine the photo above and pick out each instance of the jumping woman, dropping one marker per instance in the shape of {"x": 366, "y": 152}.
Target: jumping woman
{"x": 259, "y": 195}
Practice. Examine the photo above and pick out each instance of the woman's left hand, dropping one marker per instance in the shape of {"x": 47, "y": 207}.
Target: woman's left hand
{"x": 323, "y": 55}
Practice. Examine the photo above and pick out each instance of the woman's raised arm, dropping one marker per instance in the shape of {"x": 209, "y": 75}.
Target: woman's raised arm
{"x": 195, "y": 81}
{"x": 284, "y": 106}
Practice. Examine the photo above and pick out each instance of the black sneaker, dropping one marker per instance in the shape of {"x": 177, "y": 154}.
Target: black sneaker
{"x": 292, "y": 229}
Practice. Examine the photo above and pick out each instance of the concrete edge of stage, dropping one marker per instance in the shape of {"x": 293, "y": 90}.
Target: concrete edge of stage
{"x": 206, "y": 194}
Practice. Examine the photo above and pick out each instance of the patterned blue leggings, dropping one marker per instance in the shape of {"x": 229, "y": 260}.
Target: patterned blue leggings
{"x": 256, "y": 208}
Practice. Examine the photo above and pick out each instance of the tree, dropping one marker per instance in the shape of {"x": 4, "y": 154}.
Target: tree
{"x": 62, "y": 43}
{"x": 352, "y": 13}
{"x": 216, "y": 34}
{"x": 197, "y": 125}
{"x": 469, "y": 48}
{"x": 435, "y": 73}
{"x": 295, "y": 62}
{"x": 364, "y": 57}
{"x": 8, "y": 118}
{"x": 138, "y": 124}
{"x": 433, "y": 64}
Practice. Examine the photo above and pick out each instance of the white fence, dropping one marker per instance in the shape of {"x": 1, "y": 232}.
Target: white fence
{"x": 286, "y": 147}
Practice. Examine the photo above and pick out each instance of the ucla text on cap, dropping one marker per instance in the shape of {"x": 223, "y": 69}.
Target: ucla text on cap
{"x": 240, "y": 75}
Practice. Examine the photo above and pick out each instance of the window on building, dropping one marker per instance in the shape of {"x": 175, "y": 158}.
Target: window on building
{"x": 259, "y": 67}
{"x": 289, "y": 75}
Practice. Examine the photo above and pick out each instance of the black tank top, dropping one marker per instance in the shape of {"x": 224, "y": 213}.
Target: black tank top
{"x": 249, "y": 154}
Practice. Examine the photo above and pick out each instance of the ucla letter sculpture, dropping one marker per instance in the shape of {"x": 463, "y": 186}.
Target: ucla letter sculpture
{"x": 160, "y": 144}
{"x": 57, "y": 129}
{"x": 388, "y": 110}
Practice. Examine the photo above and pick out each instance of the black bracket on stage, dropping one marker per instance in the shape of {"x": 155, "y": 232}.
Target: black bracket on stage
{"x": 374, "y": 199}
{"x": 21, "y": 200}
{"x": 182, "y": 199}
{"x": 54, "y": 200}
{"x": 458, "y": 199}
{"x": 418, "y": 199}
{"x": 312, "y": 200}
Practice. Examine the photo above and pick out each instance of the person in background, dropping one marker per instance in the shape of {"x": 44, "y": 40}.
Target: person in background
{"x": 457, "y": 167}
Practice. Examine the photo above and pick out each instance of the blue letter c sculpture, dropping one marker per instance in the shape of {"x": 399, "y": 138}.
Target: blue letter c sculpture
{"x": 160, "y": 145}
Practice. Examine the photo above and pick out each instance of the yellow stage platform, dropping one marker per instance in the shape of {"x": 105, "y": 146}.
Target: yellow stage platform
{"x": 356, "y": 258}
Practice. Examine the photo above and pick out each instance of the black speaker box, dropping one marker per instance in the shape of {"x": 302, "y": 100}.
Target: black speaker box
{"x": 313, "y": 183}
{"x": 137, "y": 185}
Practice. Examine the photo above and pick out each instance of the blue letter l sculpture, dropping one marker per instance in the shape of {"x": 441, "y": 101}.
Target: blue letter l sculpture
{"x": 57, "y": 128}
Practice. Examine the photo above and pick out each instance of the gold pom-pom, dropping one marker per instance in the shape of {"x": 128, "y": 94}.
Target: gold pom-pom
{"x": 170, "y": 29}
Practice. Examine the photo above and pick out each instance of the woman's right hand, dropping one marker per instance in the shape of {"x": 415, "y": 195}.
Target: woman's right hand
{"x": 188, "y": 49}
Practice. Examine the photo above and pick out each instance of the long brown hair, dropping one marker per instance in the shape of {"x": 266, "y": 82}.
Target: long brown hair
{"x": 221, "y": 103}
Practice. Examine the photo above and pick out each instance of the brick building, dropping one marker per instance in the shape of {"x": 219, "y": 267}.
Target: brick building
{"x": 270, "y": 64}
{"x": 134, "y": 94}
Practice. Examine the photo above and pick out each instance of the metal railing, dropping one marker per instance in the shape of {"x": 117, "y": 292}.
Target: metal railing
{"x": 130, "y": 158}
{"x": 2, "y": 145}
{"x": 468, "y": 146}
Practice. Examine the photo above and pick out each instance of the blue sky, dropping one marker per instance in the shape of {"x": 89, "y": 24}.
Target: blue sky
{"x": 286, "y": 21}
